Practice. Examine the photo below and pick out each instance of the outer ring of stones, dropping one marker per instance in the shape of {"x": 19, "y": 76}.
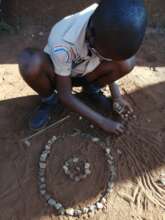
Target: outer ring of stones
{"x": 52, "y": 202}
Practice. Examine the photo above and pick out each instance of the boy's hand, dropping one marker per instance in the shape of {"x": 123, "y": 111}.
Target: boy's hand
{"x": 120, "y": 106}
{"x": 111, "y": 126}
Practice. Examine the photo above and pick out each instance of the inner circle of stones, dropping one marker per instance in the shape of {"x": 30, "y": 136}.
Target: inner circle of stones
{"x": 73, "y": 164}
{"x": 99, "y": 204}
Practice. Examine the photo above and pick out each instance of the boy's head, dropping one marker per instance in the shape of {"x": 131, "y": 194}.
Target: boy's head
{"x": 117, "y": 28}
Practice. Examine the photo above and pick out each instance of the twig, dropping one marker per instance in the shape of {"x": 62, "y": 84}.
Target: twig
{"x": 43, "y": 130}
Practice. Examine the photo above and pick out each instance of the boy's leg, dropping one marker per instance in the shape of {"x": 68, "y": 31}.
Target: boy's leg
{"x": 37, "y": 71}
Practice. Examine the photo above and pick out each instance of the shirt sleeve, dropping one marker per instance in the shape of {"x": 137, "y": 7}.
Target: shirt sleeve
{"x": 62, "y": 60}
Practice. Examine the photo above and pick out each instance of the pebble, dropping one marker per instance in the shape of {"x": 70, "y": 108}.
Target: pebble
{"x": 75, "y": 159}
{"x": 52, "y": 202}
{"x": 77, "y": 212}
{"x": 85, "y": 210}
{"x": 50, "y": 142}
{"x": 42, "y": 180}
{"x": 54, "y": 138}
{"x": 92, "y": 208}
{"x": 42, "y": 186}
{"x": 99, "y": 205}
{"x": 108, "y": 150}
{"x": 87, "y": 165}
{"x": 47, "y": 147}
{"x": 41, "y": 172}
{"x": 103, "y": 200}
{"x": 42, "y": 192}
{"x": 110, "y": 162}
{"x": 43, "y": 157}
{"x": 69, "y": 211}
{"x": 58, "y": 206}
{"x": 41, "y": 33}
{"x": 87, "y": 171}
{"x": 65, "y": 168}
{"x": 95, "y": 139}
{"x": 42, "y": 165}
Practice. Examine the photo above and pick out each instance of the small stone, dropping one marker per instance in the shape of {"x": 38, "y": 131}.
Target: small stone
{"x": 65, "y": 168}
{"x": 41, "y": 172}
{"x": 95, "y": 139}
{"x": 85, "y": 210}
{"x": 42, "y": 186}
{"x": 110, "y": 185}
{"x": 61, "y": 211}
{"x": 108, "y": 151}
{"x": 110, "y": 162}
{"x": 69, "y": 211}
{"x": 87, "y": 165}
{"x": 75, "y": 159}
{"x": 77, "y": 212}
{"x": 99, "y": 205}
{"x": 87, "y": 171}
{"x": 58, "y": 206}
{"x": 92, "y": 208}
{"x": 54, "y": 138}
{"x": 42, "y": 192}
{"x": 47, "y": 147}
{"x": 103, "y": 200}
{"x": 47, "y": 196}
{"x": 42, "y": 165}
{"x": 50, "y": 142}
{"x": 134, "y": 116}
{"x": 42, "y": 180}
{"x": 43, "y": 157}
{"x": 52, "y": 202}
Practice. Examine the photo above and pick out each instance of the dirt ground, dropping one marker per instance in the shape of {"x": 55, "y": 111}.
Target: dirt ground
{"x": 137, "y": 193}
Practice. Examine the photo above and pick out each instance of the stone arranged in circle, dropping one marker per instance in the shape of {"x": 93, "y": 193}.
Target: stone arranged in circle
{"x": 81, "y": 167}
{"x": 76, "y": 169}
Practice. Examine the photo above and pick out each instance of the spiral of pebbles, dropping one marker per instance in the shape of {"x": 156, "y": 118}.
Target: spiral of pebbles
{"x": 59, "y": 207}
{"x": 73, "y": 169}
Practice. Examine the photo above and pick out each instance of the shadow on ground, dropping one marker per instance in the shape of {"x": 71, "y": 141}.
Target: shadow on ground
{"x": 142, "y": 151}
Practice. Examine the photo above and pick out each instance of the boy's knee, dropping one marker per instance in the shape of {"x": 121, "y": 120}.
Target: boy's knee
{"x": 126, "y": 66}
{"x": 30, "y": 61}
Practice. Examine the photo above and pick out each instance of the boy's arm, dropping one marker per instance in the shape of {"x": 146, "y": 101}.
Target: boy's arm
{"x": 117, "y": 97}
{"x": 64, "y": 88}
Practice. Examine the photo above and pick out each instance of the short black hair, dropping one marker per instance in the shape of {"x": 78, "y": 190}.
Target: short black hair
{"x": 118, "y": 27}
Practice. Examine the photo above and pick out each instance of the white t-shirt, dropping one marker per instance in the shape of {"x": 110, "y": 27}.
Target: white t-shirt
{"x": 67, "y": 45}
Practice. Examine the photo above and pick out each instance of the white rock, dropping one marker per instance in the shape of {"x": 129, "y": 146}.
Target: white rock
{"x": 80, "y": 118}
{"x": 42, "y": 165}
{"x": 47, "y": 147}
{"x": 69, "y": 211}
{"x": 108, "y": 151}
{"x": 58, "y": 206}
{"x": 87, "y": 165}
{"x": 42, "y": 180}
{"x": 95, "y": 139}
{"x": 99, "y": 205}
{"x": 65, "y": 168}
{"x": 52, "y": 202}
{"x": 92, "y": 126}
{"x": 77, "y": 179}
{"x": 103, "y": 200}
{"x": 87, "y": 171}
{"x": 54, "y": 138}
{"x": 41, "y": 33}
{"x": 42, "y": 186}
{"x": 92, "y": 208}
{"x": 75, "y": 159}
{"x": 43, "y": 192}
{"x": 85, "y": 210}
